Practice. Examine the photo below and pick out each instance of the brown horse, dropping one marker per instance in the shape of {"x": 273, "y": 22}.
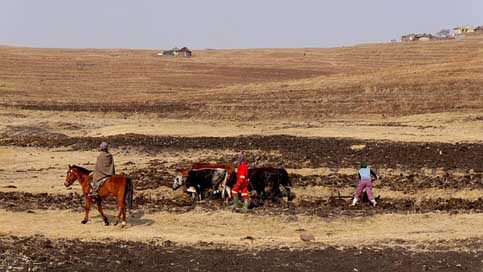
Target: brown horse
{"x": 120, "y": 187}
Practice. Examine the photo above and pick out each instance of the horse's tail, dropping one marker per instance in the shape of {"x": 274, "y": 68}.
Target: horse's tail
{"x": 128, "y": 196}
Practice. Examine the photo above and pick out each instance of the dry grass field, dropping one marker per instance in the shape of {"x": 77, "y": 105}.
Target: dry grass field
{"x": 260, "y": 84}
{"x": 414, "y": 111}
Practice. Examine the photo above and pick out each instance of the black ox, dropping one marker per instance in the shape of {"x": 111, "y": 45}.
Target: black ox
{"x": 268, "y": 182}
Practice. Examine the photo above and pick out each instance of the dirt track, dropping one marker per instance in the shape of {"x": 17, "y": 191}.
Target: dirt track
{"x": 42, "y": 254}
{"x": 295, "y": 152}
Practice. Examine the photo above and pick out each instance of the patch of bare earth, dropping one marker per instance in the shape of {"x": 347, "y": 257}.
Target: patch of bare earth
{"x": 21, "y": 253}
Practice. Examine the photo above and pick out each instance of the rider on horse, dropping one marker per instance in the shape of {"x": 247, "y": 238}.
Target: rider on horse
{"x": 104, "y": 169}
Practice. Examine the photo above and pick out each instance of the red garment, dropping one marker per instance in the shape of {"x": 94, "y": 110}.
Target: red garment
{"x": 241, "y": 181}
{"x": 242, "y": 172}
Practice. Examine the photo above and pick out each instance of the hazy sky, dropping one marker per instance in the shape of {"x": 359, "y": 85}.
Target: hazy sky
{"x": 203, "y": 24}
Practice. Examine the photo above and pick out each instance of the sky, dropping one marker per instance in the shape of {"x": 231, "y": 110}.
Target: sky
{"x": 225, "y": 24}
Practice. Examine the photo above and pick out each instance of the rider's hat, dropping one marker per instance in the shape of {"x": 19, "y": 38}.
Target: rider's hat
{"x": 103, "y": 146}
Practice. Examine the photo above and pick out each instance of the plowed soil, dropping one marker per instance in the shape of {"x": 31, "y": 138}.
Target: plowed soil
{"x": 158, "y": 174}
{"x": 296, "y": 152}
{"x": 332, "y": 207}
{"x": 163, "y": 109}
{"x": 42, "y": 254}
{"x": 406, "y": 183}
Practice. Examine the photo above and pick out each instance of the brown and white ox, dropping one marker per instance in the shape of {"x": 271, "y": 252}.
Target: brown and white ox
{"x": 204, "y": 180}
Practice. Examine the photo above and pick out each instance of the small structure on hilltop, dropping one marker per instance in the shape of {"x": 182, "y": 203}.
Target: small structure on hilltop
{"x": 458, "y": 33}
{"x": 184, "y": 52}
{"x": 418, "y": 37}
{"x": 444, "y": 33}
{"x": 463, "y": 29}
{"x": 408, "y": 38}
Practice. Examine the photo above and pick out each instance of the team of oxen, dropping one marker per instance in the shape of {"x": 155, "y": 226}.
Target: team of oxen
{"x": 201, "y": 181}
{"x": 215, "y": 181}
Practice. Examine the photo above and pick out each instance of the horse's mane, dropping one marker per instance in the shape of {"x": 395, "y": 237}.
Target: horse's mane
{"x": 82, "y": 169}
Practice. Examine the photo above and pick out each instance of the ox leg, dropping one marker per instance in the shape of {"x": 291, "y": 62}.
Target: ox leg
{"x": 104, "y": 217}
{"x": 227, "y": 190}
{"x": 87, "y": 209}
{"x": 224, "y": 188}
{"x": 289, "y": 194}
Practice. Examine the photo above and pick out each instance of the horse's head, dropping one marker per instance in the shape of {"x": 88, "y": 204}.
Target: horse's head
{"x": 73, "y": 174}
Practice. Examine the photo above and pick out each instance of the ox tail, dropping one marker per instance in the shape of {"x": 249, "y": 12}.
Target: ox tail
{"x": 129, "y": 194}
{"x": 230, "y": 182}
{"x": 223, "y": 185}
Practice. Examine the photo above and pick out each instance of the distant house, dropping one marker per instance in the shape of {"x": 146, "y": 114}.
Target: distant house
{"x": 424, "y": 38}
{"x": 464, "y": 29}
{"x": 479, "y": 29}
{"x": 184, "y": 52}
{"x": 408, "y": 38}
{"x": 418, "y": 37}
{"x": 444, "y": 33}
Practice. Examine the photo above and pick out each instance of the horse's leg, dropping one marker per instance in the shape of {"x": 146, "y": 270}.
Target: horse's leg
{"x": 87, "y": 209}
{"x": 122, "y": 211}
{"x": 104, "y": 217}
{"x": 120, "y": 196}
{"x": 118, "y": 217}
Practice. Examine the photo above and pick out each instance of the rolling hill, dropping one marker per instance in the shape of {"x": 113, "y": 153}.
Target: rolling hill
{"x": 271, "y": 84}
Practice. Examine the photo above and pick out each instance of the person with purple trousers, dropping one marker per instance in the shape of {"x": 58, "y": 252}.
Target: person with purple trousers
{"x": 365, "y": 174}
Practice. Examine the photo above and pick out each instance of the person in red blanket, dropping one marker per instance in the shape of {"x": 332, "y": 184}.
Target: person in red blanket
{"x": 241, "y": 185}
